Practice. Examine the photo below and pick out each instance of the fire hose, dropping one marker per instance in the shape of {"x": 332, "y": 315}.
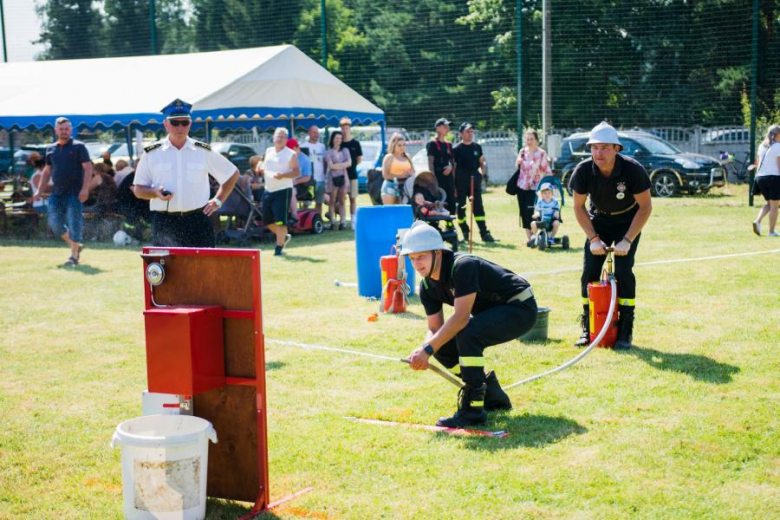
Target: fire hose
{"x": 454, "y": 380}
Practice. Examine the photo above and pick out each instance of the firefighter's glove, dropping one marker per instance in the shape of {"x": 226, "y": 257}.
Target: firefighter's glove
{"x": 418, "y": 360}
{"x": 622, "y": 248}
{"x": 597, "y": 247}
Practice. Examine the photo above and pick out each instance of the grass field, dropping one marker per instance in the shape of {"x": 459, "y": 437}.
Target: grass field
{"x": 685, "y": 425}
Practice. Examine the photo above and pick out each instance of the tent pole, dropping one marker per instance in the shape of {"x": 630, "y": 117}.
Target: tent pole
{"x": 382, "y": 136}
{"x": 208, "y": 134}
{"x": 11, "y": 147}
{"x": 292, "y": 127}
{"x": 129, "y": 140}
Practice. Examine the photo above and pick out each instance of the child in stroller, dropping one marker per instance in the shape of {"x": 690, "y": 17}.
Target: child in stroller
{"x": 428, "y": 204}
{"x": 547, "y": 220}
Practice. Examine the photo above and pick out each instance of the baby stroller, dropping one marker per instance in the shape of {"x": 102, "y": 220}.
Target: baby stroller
{"x": 543, "y": 239}
{"x": 245, "y": 216}
{"x": 428, "y": 203}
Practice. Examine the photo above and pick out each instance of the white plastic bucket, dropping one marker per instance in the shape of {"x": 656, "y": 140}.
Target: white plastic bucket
{"x": 164, "y": 466}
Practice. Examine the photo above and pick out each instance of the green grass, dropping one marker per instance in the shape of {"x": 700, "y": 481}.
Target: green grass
{"x": 683, "y": 426}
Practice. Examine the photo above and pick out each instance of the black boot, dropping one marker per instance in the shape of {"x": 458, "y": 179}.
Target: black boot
{"x": 625, "y": 327}
{"x": 464, "y": 228}
{"x": 495, "y": 397}
{"x": 471, "y": 409}
{"x": 584, "y": 339}
{"x": 487, "y": 237}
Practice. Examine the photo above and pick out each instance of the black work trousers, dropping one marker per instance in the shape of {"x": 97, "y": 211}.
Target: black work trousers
{"x": 611, "y": 233}
{"x": 448, "y": 185}
{"x": 190, "y": 230}
{"x": 525, "y": 200}
{"x": 463, "y": 186}
{"x": 494, "y": 326}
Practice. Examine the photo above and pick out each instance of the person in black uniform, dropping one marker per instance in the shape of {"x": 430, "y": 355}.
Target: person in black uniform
{"x": 492, "y": 305}
{"x": 620, "y": 205}
{"x": 441, "y": 161}
{"x": 470, "y": 163}
{"x": 173, "y": 175}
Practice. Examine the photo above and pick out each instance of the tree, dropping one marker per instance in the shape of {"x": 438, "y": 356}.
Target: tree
{"x": 129, "y": 27}
{"x": 70, "y": 29}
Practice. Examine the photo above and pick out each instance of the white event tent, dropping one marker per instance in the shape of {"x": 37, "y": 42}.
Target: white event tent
{"x": 258, "y": 87}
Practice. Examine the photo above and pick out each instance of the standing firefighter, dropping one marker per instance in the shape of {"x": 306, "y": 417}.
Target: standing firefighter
{"x": 492, "y": 305}
{"x": 470, "y": 166}
{"x": 620, "y": 206}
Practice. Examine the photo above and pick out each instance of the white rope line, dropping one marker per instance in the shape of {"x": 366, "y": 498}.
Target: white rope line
{"x": 659, "y": 262}
{"x": 333, "y": 349}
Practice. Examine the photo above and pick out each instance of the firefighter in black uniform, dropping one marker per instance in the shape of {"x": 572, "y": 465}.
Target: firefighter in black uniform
{"x": 441, "y": 162}
{"x": 492, "y": 305}
{"x": 470, "y": 164}
{"x": 619, "y": 190}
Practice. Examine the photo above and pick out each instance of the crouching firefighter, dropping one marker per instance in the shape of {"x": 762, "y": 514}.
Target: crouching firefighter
{"x": 619, "y": 191}
{"x": 492, "y": 305}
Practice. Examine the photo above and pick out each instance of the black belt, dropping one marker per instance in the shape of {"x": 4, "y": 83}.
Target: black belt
{"x": 180, "y": 213}
{"x": 613, "y": 213}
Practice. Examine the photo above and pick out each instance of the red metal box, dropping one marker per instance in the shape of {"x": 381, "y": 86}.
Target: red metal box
{"x": 185, "y": 352}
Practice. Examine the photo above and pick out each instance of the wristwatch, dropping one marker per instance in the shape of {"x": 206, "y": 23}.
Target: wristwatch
{"x": 217, "y": 202}
{"x": 428, "y": 349}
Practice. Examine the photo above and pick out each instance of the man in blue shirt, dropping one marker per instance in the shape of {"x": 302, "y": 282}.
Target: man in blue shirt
{"x": 69, "y": 167}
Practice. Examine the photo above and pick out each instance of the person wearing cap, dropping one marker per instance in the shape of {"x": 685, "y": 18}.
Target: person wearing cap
{"x": 280, "y": 167}
{"x": 70, "y": 170}
{"x": 620, "y": 205}
{"x": 173, "y": 175}
{"x": 441, "y": 162}
{"x": 470, "y": 164}
{"x": 492, "y": 305}
{"x": 547, "y": 211}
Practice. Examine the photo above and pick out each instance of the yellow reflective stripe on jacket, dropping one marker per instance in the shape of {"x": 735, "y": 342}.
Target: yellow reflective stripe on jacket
{"x": 472, "y": 362}
{"x": 585, "y": 301}
{"x": 477, "y": 404}
{"x": 628, "y": 302}
{"x": 479, "y": 219}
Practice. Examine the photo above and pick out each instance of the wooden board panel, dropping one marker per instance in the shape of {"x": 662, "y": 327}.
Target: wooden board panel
{"x": 239, "y": 348}
{"x": 207, "y": 280}
{"x": 233, "y": 471}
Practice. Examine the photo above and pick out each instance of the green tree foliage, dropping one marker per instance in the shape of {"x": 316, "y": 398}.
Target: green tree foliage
{"x": 70, "y": 29}
{"x": 128, "y": 27}
{"x": 237, "y": 24}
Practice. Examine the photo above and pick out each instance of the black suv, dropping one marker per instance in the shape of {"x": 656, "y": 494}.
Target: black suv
{"x": 238, "y": 154}
{"x": 671, "y": 171}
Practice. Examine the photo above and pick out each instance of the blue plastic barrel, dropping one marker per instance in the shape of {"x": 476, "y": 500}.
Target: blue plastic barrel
{"x": 375, "y": 234}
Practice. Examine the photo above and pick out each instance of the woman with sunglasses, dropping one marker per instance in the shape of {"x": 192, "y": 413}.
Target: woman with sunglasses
{"x": 173, "y": 174}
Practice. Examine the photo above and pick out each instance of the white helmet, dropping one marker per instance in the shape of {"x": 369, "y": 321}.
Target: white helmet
{"x": 604, "y": 133}
{"x": 122, "y": 239}
{"x": 421, "y": 238}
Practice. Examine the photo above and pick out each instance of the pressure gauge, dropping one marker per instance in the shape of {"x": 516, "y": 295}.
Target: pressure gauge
{"x": 155, "y": 274}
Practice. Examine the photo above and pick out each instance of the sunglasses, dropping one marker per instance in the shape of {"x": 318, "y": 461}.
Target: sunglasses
{"x": 179, "y": 122}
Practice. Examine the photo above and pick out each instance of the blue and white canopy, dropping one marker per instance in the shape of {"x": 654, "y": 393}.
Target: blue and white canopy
{"x": 263, "y": 87}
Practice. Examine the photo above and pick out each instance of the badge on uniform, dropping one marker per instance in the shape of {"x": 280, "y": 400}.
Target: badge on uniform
{"x": 621, "y": 187}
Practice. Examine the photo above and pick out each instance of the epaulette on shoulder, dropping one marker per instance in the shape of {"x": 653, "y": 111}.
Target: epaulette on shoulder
{"x": 207, "y": 146}
{"x": 152, "y": 147}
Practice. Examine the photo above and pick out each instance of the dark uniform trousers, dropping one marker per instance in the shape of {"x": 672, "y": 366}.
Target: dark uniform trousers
{"x": 611, "y": 233}
{"x": 463, "y": 184}
{"x": 446, "y": 183}
{"x": 190, "y": 229}
{"x": 464, "y": 353}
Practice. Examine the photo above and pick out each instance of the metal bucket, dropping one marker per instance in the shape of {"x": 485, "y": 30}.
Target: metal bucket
{"x": 539, "y": 331}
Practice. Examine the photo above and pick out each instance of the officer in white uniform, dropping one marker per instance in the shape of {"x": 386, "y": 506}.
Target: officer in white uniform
{"x": 173, "y": 174}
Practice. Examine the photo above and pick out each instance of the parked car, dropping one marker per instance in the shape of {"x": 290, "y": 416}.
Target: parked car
{"x": 5, "y": 161}
{"x": 372, "y": 158}
{"x": 672, "y": 172}
{"x": 237, "y": 153}
{"x": 97, "y": 149}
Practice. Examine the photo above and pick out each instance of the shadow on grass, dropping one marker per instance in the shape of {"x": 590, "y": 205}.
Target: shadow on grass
{"x": 82, "y": 268}
{"x": 218, "y": 509}
{"x": 526, "y": 431}
{"x": 274, "y": 365}
{"x": 490, "y": 245}
{"x": 698, "y": 367}
{"x": 409, "y": 316}
{"x": 298, "y": 258}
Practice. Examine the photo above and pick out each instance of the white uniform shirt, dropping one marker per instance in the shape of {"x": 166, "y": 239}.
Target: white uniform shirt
{"x": 185, "y": 173}
{"x": 317, "y": 156}
{"x": 277, "y": 163}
